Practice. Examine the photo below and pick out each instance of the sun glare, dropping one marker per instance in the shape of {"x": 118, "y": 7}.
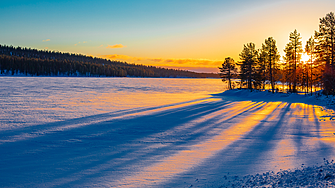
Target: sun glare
{"x": 305, "y": 57}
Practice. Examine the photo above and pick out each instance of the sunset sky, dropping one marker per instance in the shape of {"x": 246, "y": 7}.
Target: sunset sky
{"x": 189, "y": 34}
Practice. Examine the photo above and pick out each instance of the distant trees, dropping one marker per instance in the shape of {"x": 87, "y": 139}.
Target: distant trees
{"x": 37, "y": 62}
{"x": 228, "y": 70}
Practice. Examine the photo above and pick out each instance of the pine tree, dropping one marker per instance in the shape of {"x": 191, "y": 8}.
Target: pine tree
{"x": 227, "y": 70}
{"x": 248, "y": 57}
{"x": 326, "y": 51}
{"x": 310, "y": 50}
{"x": 293, "y": 51}
{"x": 272, "y": 57}
{"x": 261, "y": 72}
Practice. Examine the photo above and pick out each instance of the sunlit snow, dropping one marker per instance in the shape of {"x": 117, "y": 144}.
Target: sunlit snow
{"x": 129, "y": 132}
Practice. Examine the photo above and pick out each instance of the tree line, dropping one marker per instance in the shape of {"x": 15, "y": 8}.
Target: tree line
{"x": 33, "y": 62}
{"x": 258, "y": 67}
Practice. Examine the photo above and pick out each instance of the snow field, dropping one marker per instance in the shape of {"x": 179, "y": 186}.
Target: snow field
{"x": 228, "y": 139}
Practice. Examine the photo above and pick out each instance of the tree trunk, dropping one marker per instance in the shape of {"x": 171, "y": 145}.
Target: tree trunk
{"x": 295, "y": 71}
{"x": 332, "y": 63}
{"x": 229, "y": 79}
{"x": 249, "y": 76}
{"x": 271, "y": 77}
{"x": 311, "y": 73}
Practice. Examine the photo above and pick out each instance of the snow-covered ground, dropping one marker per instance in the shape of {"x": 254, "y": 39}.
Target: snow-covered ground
{"x": 232, "y": 139}
{"x": 316, "y": 176}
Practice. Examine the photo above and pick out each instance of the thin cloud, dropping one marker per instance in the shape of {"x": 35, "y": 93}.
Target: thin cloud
{"x": 80, "y": 42}
{"x": 116, "y": 46}
{"x": 47, "y": 40}
{"x": 158, "y": 60}
{"x": 196, "y": 62}
{"x": 116, "y": 56}
{"x": 122, "y": 57}
{"x": 166, "y": 61}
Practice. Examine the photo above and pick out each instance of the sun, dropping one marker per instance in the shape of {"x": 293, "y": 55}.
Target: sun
{"x": 305, "y": 57}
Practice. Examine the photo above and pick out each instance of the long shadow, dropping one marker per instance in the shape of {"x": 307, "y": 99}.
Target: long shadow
{"x": 188, "y": 139}
{"x": 62, "y": 153}
{"x": 242, "y": 155}
{"x": 245, "y": 155}
{"x": 259, "y": 141}
{"x": 317, "y": 123}
{"x": 73, "y": 156}
{"x": 38, "y": 129}
{"x": 302, "y": 132}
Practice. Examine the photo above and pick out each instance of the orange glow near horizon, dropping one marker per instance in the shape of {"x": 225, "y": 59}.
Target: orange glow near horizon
{"x": 186, "y": 64}
{"x": 158, "y": 38}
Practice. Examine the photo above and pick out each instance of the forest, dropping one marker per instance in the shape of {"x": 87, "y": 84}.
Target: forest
{"x": 258, "y": 68}
{"x": 33, "y": 62}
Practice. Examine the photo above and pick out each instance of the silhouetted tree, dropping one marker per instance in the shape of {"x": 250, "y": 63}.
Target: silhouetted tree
{"x": 261, "y": 71}
{"x": 310, "y": 50}
{"x": 272, "y": 57}
{"x": 326, "y": 51}
{"x": 227, "y": 70}
{"x": 248, "y": 64}
{"x": 293, "y": 52}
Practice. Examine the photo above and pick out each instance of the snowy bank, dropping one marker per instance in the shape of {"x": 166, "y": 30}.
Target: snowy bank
{"x": 317, "y": 176}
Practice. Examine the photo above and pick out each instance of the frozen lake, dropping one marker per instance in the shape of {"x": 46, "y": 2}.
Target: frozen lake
{"x": 141, "y": 132}
{"x": 28, "y": 101}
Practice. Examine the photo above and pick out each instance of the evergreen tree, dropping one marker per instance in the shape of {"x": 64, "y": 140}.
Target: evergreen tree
{"x": 293, "y": 51}
{"x": 261, "y": 71}
{"x": 272, "y": 57}
{"x": 227, "y": 70}
{"x": 326, "y": 51}
{"x": 248, "y": 57}
{"x": 310, "y": 50}
{"x": 42, "y": 62}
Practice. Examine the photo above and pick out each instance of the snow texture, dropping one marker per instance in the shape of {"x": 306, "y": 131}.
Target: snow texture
{"x": 72, "y": 132}
{"x": 316, "y": 176}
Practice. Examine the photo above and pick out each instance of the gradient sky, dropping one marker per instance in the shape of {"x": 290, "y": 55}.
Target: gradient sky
{"x": 190, "y": 34}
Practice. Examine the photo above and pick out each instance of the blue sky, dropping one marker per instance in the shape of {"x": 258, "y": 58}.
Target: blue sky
{"x": 194, "y": 32}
